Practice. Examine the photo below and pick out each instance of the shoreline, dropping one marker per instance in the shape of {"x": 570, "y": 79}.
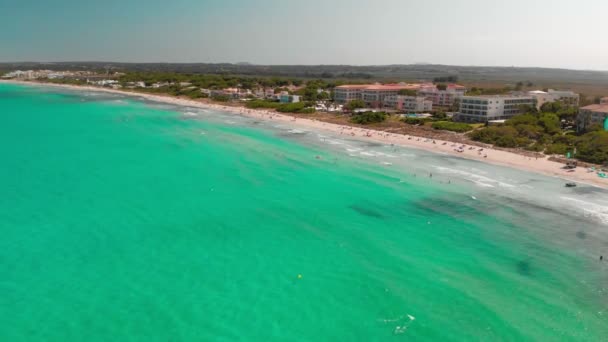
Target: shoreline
{"x": 488, "y": 155}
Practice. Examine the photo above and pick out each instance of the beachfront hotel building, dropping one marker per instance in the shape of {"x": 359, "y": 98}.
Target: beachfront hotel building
{"x": 372, "y": 94}
{"x": 486, "y": 108}
{"x": 445, "y": 97}
{"x": 412, "y": 104}
{"x": 565, "y": 97}
{"x": 595, "y": 114}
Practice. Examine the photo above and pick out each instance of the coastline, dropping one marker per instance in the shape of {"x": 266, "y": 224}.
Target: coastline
{"x": 489, "y": 155}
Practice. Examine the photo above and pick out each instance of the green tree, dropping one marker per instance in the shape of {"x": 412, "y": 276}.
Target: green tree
{"x": 551, "y": 107}
{"x": 523, "y": 119}
{"x": 440, "y": 115}
{"x": 408, "y": 92}
{"x": 323, "y": 96}
{"x": 550, "y": 122}
{"x": 452, "y": 126}
{"x": 593, "y": 147}
{"x": 369, "y": 117}
{"x": 354, "y": 104}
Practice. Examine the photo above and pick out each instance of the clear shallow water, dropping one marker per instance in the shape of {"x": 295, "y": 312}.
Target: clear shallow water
{"x": 136, "y": 221}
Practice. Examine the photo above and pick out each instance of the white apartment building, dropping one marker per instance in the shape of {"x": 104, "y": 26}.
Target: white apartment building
{"x": 492, "y": 107}
{"x": 445, "y": 97}
{"x": 408, "y": 103}
{"x": 566, "y": 97}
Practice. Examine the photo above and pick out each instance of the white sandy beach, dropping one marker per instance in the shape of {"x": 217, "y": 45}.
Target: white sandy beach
{"x": 497, "y": 157}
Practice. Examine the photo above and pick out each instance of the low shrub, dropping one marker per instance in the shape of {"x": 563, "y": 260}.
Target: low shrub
{"x": 369, "y": 117}
{"x": 452, "y": 126}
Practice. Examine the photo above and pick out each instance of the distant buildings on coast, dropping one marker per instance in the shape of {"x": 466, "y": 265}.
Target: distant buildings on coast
{"x": 392, "y": 97}
{"x": 413, "y": 97}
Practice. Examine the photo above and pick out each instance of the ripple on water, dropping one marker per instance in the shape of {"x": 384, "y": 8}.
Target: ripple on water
{"x": 365, "y": 211}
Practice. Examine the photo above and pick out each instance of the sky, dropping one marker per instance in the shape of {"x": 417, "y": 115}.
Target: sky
{"x": 535, "y": 33}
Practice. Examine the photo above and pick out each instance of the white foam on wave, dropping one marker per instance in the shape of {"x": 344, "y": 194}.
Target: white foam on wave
{"x": 296, "y": 131}
{"x": 403, "y": 322}
{"x": 382, "y": 154}
{"x": 595, "y": 210}
{"x": 475, "y": 178}
{"x": 335, "y": 142}
{"x": 190, "y": 114}
{"x": 409, "y": 155}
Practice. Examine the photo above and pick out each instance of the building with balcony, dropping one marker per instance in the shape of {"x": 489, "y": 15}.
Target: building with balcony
{"x": 372, "y": 94}
{"x": 411, "y": 104}
{"x": 595, "y": 114}
{"x": 565, "y": 97}
{"x": 492, "y": 107}
{"x": 444, "y": 97}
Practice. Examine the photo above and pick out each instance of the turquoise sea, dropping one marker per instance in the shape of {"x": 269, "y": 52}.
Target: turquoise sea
{"x": 122, "y": 220}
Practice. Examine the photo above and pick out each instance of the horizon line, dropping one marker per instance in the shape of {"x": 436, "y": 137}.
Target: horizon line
{"x": 308, "y": 65}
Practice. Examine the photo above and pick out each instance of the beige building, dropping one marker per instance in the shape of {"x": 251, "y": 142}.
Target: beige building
{"x": 595, "y": 114}
{"x": 445, "y": 97}
{"x": 372, "y": 94}
{"x": 566, "y": 97}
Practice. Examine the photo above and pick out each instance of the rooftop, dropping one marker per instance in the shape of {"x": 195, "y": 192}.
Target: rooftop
{"x": 498, "y": 97}
{"x": 455, "y": 86}
{"x": 599, "y": 108}
{"x": 391, "y": 86}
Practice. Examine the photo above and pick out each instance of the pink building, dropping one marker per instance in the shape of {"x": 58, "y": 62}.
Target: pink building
{"x": 442, "y": 97}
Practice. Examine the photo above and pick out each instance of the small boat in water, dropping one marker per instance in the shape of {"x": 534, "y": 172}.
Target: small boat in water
{"x": 570, "y": 185}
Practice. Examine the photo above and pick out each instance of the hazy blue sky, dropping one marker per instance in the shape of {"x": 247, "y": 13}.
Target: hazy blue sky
{"x": 556, "y": 33}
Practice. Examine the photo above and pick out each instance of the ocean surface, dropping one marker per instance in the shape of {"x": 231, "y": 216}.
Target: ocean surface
{"x": 127, "y": 220}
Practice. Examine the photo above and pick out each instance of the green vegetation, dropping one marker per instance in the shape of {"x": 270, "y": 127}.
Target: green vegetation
{"x": 205, "y": 81}
{"x": 542, "y": 132}
{"x": 73, "y": 81}
{"x": 310, "y": 91}
{"x": 298, "y": 107}
{"x": 291, "y": 107}
{"x": 221, "y": 98}
{"x": 369, "y": 117}
{"x": 488, "y": 91}
{"x": 593, "y": 147}
{"x": 440, "y": 115}
{"x": 522, "y": 131}
{"x": 450, "y": 79}
{"x": 262, "y": 104}
{"x": 408, "y": 92}
{"x": 452, "y": 126}
{"x": 416, "y": 121}
{"x": 354, "y": 104}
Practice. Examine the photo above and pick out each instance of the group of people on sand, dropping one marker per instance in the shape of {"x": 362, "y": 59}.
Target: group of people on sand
{"x": 461, "y": 149}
